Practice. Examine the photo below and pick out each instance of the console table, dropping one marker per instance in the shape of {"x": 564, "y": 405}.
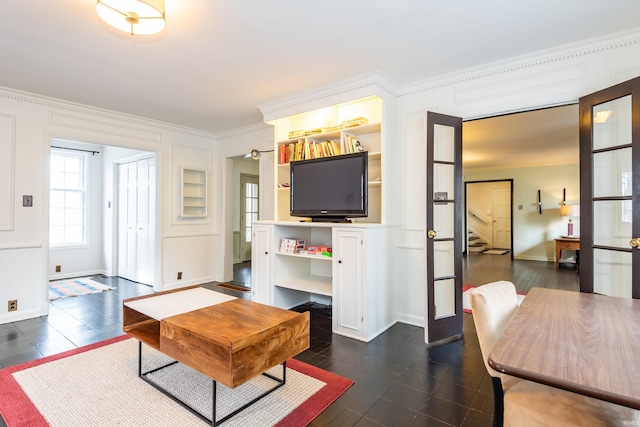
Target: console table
{"x": 568, "y": 243}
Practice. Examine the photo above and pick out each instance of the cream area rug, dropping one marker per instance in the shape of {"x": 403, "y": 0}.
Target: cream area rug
{"x": 100, "y": 387}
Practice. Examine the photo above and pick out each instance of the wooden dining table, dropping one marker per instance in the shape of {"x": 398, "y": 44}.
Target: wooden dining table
{"x": 580, "y": 342}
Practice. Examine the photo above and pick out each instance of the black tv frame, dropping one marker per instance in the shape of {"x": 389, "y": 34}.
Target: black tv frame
{"x": 332, "y": 215}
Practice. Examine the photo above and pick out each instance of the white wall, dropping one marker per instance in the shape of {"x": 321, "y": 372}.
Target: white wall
{"x": 187, "y": 246}
{"x": 534, "y": 233}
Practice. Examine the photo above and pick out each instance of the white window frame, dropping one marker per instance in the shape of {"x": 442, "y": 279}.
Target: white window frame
{"x": 83, "y": 190}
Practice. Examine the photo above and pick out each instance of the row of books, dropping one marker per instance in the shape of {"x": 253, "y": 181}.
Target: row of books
{"x": 305, "y": 149}
{"x": 358, "y": 121}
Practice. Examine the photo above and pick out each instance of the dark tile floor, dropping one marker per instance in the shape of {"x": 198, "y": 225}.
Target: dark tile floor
{"x": 399, "y": 381}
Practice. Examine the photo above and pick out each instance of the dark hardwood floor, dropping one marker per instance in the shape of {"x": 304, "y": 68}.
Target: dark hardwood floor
{"x": 399, "y": 381}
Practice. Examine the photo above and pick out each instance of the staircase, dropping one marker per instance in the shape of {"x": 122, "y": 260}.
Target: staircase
{"x": 475, "y": 244}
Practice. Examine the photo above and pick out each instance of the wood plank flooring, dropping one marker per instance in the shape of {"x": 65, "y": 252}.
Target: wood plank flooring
{"x": 399, "y": 381}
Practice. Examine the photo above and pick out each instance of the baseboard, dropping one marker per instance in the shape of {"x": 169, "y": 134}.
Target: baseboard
{"x": 533, "y": 258}
{"x": 62, "y": 276}
{"x": 411, "y": 320}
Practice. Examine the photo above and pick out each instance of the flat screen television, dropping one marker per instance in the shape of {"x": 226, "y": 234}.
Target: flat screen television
{"x": 330, "y": 189}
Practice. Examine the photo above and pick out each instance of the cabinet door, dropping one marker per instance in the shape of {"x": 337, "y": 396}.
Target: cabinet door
{"x": 261, "y": 264}
{"x": 347, "y": 282}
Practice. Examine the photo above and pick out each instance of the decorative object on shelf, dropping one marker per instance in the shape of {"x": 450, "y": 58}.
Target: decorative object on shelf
{"x": 571, "y": 211}
{"x": 255, "y": 153}
{"x": 292, "y": 245}
{"x": 133, "y": 16}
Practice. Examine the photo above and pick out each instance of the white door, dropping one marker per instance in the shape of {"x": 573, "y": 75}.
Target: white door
{"x": 347, "y": 279}
{"x": 261, "y": 264}
{"x": 609, "y": 191}
{"x": 501, "y": 210}
{"x": 249, "y": 207}
{"x": 137, "y": 220}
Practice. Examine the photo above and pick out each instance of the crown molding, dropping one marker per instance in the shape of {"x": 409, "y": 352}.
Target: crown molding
{"x": 529, "y": 61}
{"x": 365, "y": 85}
{"x": 256, "y": 127}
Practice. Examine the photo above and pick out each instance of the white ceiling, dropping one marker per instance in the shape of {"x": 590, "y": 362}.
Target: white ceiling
{"x": 217, "y": 61}
{"x": 528, "y": 139}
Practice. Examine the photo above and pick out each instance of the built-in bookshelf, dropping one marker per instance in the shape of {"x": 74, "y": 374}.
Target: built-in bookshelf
{"x": 341, "y": 129}
{"x": 193, "y": 200}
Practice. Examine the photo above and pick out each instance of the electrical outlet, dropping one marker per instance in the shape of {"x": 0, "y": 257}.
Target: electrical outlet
{"x": 58, "y": 268}
{"x": 179, "y": 275}
{"x": 13, "y": 305}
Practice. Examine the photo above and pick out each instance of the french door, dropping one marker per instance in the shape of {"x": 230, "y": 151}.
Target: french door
{"x": 444, "y": 227}
{"x": 610, "y": 191}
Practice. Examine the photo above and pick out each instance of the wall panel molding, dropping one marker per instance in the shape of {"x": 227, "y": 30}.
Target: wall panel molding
{"x": 85, "y": 111}
{"x": 108, "y": 127}
{"x": 7, "y": 171}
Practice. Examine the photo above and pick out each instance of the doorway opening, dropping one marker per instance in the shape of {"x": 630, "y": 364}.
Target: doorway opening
{"x": 246, "y": 196}
{"x": 114, "y": 218}
{"x": 538, "y": 150}
{"x": 489, "y": 213}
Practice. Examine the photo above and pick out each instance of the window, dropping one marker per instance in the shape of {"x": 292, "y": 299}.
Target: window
{"x": 67, "y": 199}
{"x": 251, "y": 208}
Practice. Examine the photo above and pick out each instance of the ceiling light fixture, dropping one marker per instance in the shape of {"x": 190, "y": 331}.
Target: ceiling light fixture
{"x": 133, "y": 16}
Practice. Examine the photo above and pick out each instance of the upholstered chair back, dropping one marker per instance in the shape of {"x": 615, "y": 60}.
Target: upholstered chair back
{"x": 492, "y": 306}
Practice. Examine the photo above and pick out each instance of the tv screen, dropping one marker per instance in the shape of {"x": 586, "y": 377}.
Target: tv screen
{"x": 330, "y": 188}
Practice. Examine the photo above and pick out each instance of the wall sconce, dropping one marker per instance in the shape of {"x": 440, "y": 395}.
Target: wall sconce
{"x": 572, "y": 211}
{"x": 133, "y": 16}
{"x": 539, "y": 203}
{"x": 255, "y": 153}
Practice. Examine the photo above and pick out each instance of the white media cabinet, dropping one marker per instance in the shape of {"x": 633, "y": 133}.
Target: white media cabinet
{"x": 355, "y": 280}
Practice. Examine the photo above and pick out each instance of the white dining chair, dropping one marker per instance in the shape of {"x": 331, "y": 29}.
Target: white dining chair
{"x": 521, "y": 403}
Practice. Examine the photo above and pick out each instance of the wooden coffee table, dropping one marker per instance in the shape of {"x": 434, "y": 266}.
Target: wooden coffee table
{"x": 228, "y": 339}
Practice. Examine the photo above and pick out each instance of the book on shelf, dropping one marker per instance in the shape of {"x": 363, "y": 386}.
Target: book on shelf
{"x": 351, "y": 144}
{"x": 307, "y": 149}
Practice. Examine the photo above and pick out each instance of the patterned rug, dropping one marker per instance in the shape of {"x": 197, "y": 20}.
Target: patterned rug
{"x": 98, "y": 385}
{"x": 74, "y": 287}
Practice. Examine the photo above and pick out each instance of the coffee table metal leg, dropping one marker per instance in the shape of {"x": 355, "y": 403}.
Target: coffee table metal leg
{"x": 280, "y": 382}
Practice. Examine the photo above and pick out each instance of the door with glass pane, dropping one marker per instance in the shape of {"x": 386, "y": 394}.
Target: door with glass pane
{"x": 249, "y": 204}
{"x": 444, "y": 227}
{"x": 609, "y": 191}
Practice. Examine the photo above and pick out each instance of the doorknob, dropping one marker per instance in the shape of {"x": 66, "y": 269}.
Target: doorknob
{"x": 635, "y": 242}
{"x": 431, "y": 234}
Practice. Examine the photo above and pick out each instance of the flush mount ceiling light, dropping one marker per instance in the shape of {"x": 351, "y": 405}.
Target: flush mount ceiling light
{"x": 133, "y": 16}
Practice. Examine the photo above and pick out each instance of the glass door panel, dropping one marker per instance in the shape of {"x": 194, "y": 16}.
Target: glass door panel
{"x": 614, "y": 171}
{"x": 610, "y": 229}
{"x": 445, "y": 299}
{"x": 612, "y": 273}
{"x": 612, "y": 123}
